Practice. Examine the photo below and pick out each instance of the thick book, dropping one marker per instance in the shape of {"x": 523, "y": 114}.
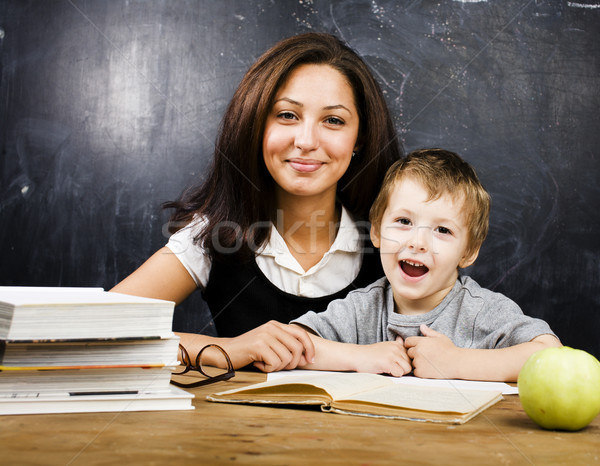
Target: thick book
{"x": 88, "y": 379}
{"x": 82, "y": 353}
{"x": 366, "y": 395}
{"x": 171, "y": 398}
{"x": 39, "y": 313}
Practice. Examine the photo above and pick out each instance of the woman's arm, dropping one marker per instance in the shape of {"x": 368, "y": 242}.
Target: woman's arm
{"x": 434, "y": 356}
{"x": 270, "y": 347}
{"x": 162, "y": 276}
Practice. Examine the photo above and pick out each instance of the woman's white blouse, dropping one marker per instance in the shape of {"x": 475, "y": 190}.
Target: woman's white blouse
{"x": 335, "y": 271}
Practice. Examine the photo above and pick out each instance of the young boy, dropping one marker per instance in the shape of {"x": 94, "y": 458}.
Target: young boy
{"x": 428, "y": 221}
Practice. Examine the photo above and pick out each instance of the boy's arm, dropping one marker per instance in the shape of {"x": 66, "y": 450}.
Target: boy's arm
{"x": 380, "y": 358}
{"x": 434, "y": 356}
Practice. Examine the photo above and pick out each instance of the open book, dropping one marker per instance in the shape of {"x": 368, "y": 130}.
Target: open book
{"x": 366, "y": 395}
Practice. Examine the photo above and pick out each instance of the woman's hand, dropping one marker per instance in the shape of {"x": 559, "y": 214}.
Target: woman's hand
{"x": 271, "y": 347}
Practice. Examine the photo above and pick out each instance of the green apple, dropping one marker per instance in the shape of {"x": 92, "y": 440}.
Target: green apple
{"x": 559, "y": 388}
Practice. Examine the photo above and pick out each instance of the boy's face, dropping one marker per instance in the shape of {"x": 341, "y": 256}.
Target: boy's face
{"x": 422, "y": 244}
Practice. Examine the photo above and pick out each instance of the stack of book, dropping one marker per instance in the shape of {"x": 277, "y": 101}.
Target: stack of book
{"x": 66, "y": 350}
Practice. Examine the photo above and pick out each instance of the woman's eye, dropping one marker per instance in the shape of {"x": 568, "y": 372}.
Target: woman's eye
{"x": 334, "y": 121}
{"x": 286, "y": 115}
{"x": 403, "y": 221}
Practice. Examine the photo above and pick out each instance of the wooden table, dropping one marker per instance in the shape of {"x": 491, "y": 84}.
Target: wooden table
{"x": 216, "y": 433}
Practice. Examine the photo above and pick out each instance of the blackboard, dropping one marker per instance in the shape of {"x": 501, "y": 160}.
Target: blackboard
{"x": 108, "y": 109}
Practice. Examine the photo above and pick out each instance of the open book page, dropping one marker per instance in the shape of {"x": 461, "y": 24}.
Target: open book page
{"x": 334, "y": 384}
{"x": 502, "y": 387}
{"x": 426, "y": 398}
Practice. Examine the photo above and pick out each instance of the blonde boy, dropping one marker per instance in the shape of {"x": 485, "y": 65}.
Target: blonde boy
{"x": 429, "y": 221}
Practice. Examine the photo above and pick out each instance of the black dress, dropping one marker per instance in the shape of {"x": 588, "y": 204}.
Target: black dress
{"x": 241, "y": 298}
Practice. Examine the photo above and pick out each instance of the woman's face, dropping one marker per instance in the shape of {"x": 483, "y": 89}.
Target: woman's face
{"x": 311, "y": 131}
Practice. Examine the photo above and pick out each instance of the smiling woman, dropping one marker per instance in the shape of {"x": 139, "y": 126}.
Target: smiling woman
{"x": 310, "y": 135}
{"x": 280, "y": 227}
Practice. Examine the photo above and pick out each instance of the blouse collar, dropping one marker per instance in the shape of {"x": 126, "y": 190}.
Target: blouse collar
{"x": 348, "y": 239}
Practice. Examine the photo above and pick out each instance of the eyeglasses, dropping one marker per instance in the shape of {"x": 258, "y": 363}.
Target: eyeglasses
{"x": 212, "y": 374}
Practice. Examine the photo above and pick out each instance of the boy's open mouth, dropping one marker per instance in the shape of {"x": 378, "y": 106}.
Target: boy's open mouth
{"x": 413, "y": 269}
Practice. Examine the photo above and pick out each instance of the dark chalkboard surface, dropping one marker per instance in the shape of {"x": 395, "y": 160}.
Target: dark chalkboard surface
{"x": 108, "y": 109}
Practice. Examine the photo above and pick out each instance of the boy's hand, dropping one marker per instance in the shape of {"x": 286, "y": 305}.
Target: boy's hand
{"x": 433, "y": 355}
{"x": 388, "y": 357}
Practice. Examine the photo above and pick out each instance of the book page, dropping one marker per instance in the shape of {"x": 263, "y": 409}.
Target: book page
{"x": 502, "y": 387}
{"x": 505, "y": 388}
{"x": 427, "y": 398}
{"x": 337, "y": 384}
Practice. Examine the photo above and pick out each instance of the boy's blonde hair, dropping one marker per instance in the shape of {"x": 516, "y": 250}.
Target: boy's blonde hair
{"x": 440, "y": 172}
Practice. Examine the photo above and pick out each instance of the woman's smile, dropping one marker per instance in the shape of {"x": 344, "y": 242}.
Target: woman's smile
{"x": 305, "y": 165}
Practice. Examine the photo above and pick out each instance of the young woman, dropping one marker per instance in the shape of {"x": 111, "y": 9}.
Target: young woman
{"x": 279, "y": 226}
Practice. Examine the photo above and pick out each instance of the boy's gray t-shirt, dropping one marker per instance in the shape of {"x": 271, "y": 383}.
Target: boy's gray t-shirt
{"x": 471, "y": 316}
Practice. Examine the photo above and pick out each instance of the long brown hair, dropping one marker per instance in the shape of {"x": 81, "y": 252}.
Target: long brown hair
{"x": 237, "y": 197}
